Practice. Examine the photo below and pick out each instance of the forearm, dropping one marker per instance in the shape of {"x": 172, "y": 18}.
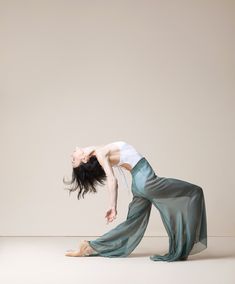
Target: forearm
{"x": 113, "y": 192}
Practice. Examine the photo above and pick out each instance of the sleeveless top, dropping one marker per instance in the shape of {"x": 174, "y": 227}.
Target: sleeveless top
{"x": 129, "y": 155}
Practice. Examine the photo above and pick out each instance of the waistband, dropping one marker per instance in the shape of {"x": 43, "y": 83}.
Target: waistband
{"x": 138, "y": 165}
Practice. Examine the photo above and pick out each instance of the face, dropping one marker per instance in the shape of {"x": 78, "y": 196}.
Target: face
{"x": 77, "y": 157}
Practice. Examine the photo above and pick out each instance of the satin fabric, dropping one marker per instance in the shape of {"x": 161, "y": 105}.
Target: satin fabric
{"x": 182, "y": 209}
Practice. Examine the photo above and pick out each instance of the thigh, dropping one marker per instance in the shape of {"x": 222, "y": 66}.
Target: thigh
{"x": 137, "y": 206}
{"x": 167, "y": 187}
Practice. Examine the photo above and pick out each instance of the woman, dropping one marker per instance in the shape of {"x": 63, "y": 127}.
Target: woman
{"x": 181, "y": 204}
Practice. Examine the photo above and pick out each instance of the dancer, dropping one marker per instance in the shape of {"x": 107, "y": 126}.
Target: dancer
{"x": 181, "y": 204}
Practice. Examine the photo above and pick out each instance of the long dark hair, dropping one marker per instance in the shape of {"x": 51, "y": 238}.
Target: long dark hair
{"x": 86, "y": 177}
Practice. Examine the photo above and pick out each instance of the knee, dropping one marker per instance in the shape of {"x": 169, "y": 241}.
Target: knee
{"x": 199, "y": 190}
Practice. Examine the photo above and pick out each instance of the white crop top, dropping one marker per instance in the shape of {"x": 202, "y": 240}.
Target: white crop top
{"x": 128, "y": 154}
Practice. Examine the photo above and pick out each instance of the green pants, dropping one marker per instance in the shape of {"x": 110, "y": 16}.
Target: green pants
{"x": 182, "y": 209}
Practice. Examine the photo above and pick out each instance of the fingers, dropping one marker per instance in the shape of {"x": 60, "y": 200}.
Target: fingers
{"x": 110, "y": 215}
{"x": 110, "y": 219}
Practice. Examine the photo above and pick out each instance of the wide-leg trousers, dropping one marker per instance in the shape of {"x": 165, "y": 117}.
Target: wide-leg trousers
{"x": 182, "y": 209}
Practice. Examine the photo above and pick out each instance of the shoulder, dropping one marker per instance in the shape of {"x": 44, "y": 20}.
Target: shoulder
{"x": 105, "y": 150}
{"x": 102, "y": 155}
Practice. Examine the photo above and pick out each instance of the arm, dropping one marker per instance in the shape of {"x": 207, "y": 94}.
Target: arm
{"x": 102, "y": 157}
{"x": 113, "y": 191}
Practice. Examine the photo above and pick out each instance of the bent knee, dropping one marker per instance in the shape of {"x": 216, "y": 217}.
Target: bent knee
{"x": 199, "y": 190}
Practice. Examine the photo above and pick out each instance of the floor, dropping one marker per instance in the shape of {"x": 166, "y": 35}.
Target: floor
{"x": 41, "y": 260}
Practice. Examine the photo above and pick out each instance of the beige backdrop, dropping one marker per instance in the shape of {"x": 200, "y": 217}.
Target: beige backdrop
{"x": 157, "y": 74}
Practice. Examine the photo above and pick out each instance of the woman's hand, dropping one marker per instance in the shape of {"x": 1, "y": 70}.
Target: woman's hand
{"x": 111, "y": 214}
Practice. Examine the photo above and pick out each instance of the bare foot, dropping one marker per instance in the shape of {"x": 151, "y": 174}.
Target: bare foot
{"x": 73, "y": 253}
{"x": 84, "y": 250}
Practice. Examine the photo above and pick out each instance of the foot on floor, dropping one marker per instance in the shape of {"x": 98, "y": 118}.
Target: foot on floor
{"x": 84, "y": 250}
